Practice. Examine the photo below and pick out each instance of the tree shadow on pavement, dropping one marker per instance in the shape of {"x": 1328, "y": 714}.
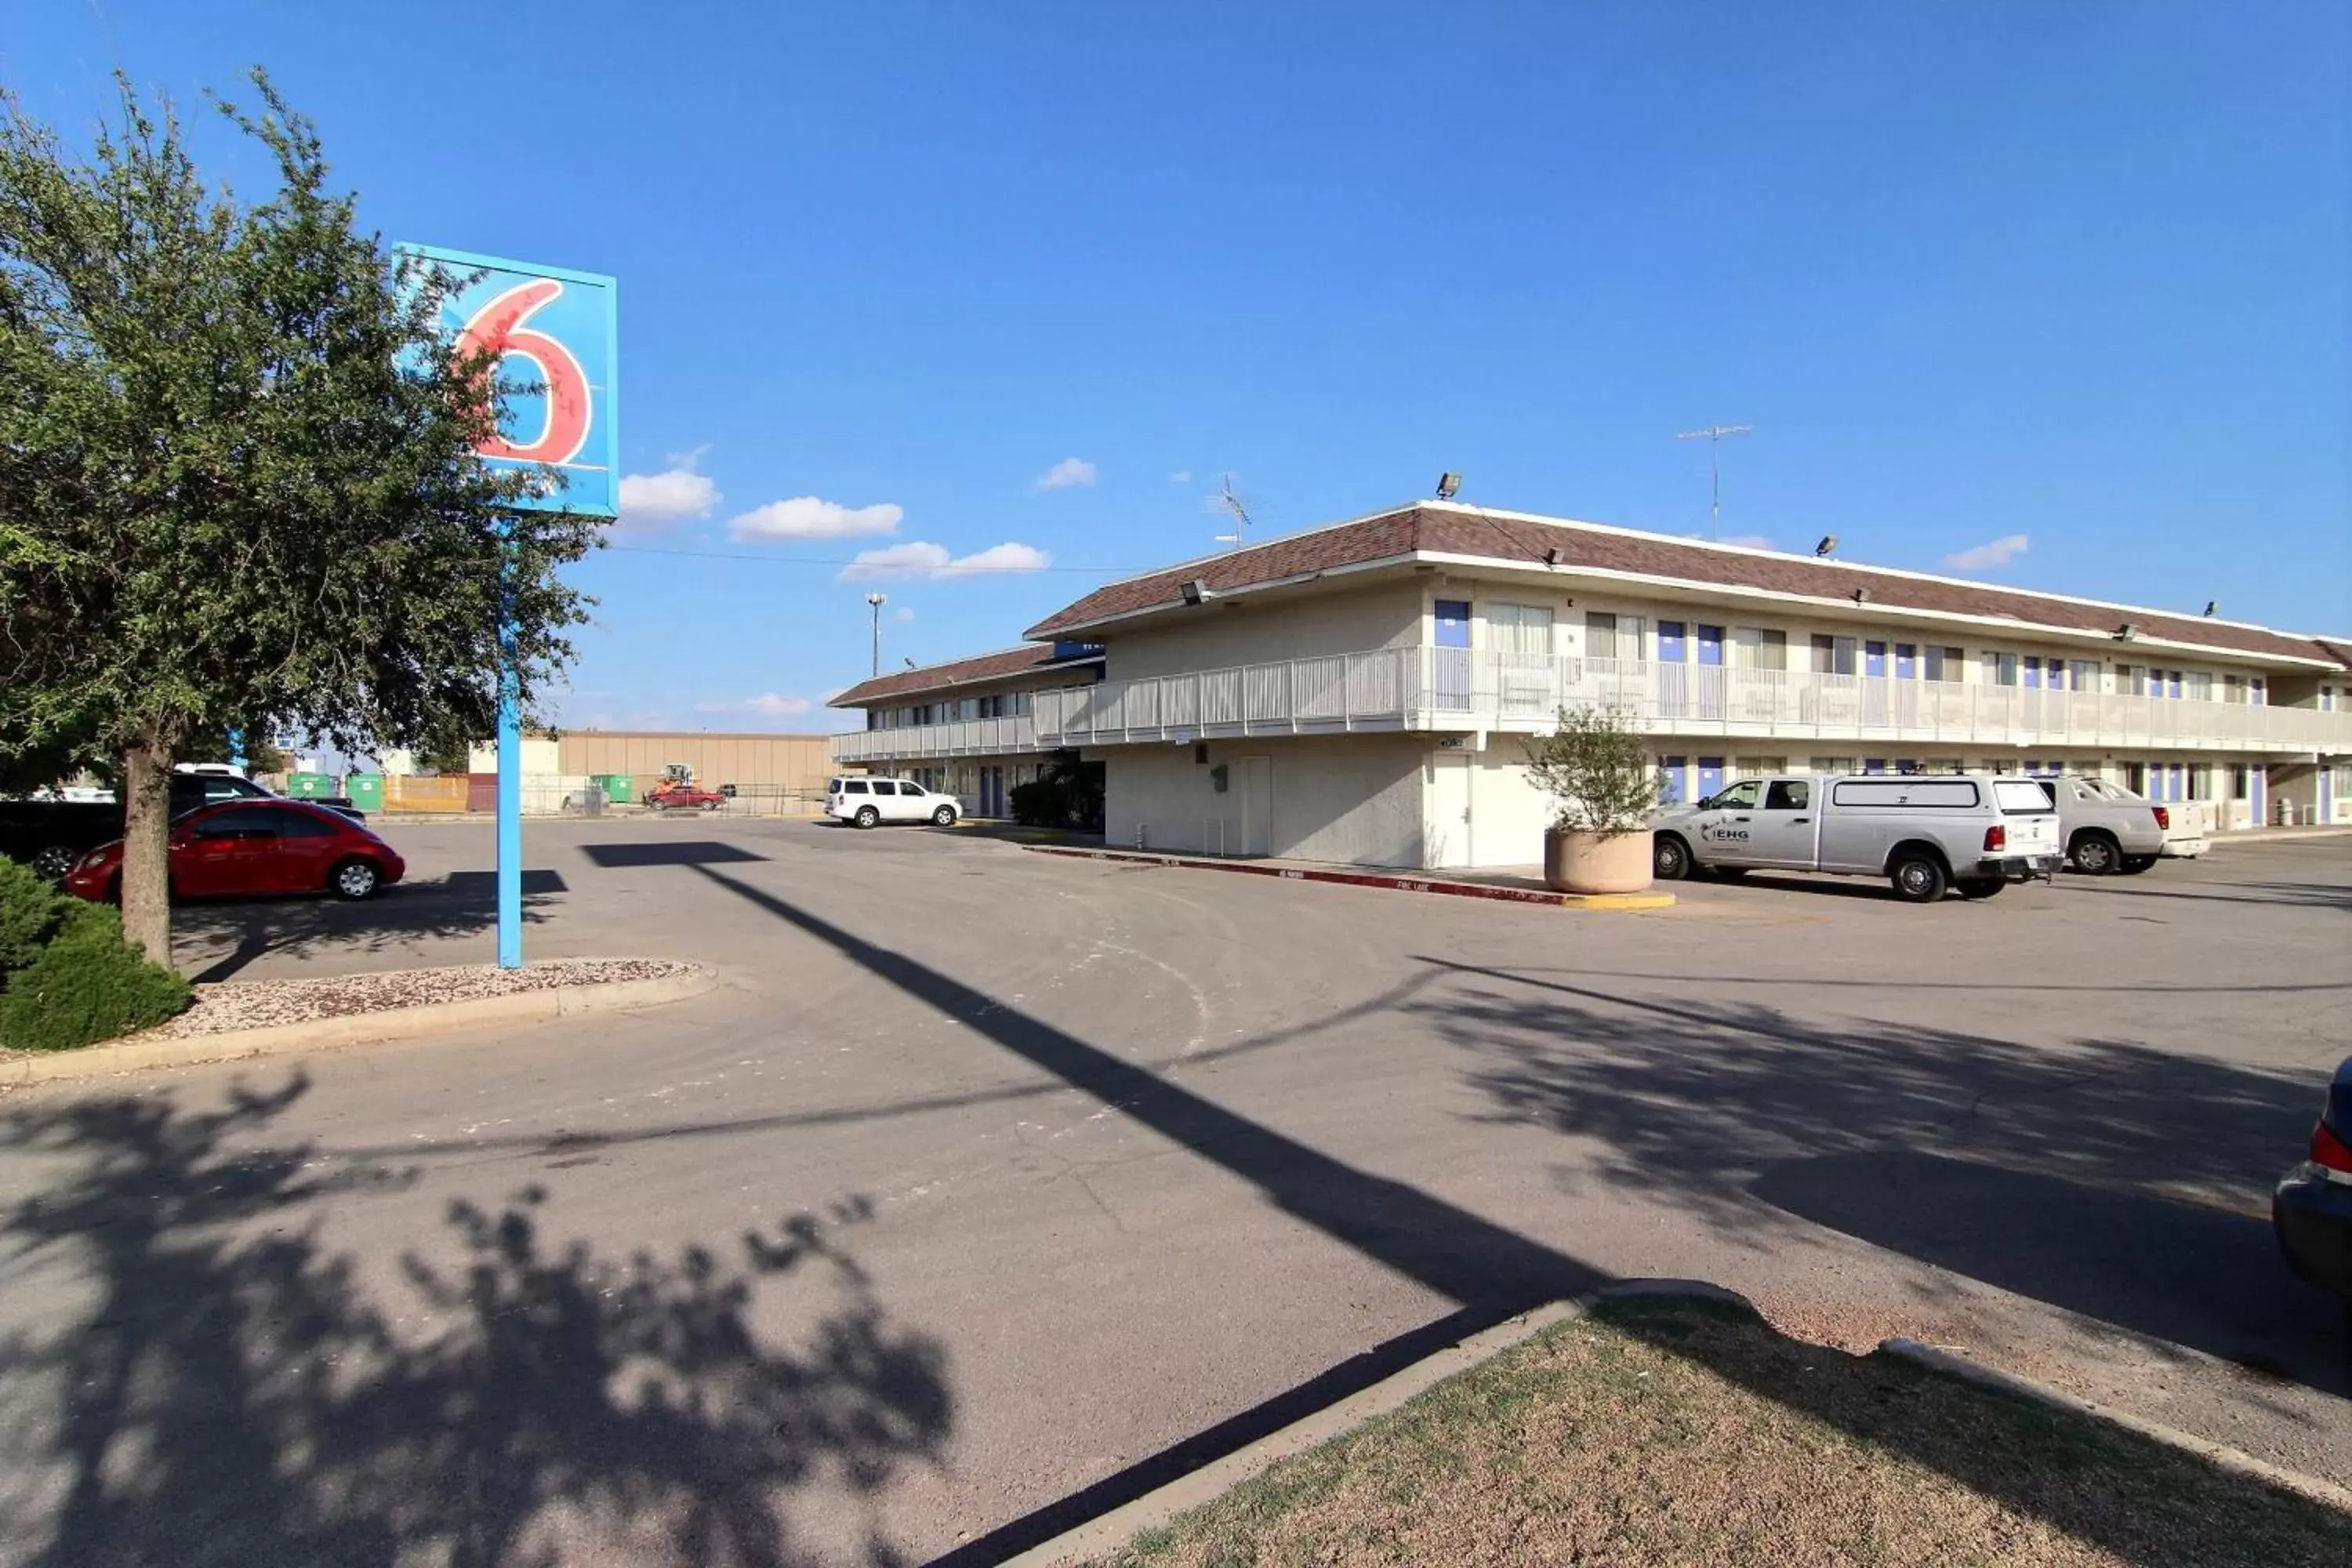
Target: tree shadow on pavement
{"x": 2109, "y": 1180}
{"x": 1491, "y": 1270}
{"x": 225, "y": 937}
{"x": 233, "y": 1393}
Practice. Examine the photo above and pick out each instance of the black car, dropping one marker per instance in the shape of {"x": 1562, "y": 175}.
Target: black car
{"x": 2311, "y": 1210}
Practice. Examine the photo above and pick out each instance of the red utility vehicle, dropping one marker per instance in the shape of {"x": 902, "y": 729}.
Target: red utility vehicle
{"x": 678, "y": 792}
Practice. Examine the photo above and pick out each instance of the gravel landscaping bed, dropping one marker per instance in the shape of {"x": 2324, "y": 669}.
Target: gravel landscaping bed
{"x": 253, "y": 1003}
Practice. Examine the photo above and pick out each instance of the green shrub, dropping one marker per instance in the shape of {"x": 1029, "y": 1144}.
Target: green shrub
{"x": 30, "y": 913}
{"x": 1069, "y": 794}
{"x": 87, "y": 985}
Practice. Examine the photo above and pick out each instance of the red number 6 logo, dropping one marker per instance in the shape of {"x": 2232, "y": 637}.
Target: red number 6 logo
{"x": 498, "y": 327}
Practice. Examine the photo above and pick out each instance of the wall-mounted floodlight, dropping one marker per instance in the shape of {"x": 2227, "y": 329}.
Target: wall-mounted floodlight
{"x": 1862, "y": 595}
{"x": 2127, "y": 631}
{"x": 1196, "y": 592}
{"x": 1551, "y": 556}
{"x": 2211, "y": 605}
{"x": 1828, "y": 546}
{"x": 1449, "y": 484}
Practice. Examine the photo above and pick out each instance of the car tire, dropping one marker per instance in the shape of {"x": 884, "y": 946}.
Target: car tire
{"x": 2133, "y": 865}
{"x": 1918, "y": 879}
{"x": 1670, "y": 858}
{"x": 2095, "y": 854}
{"x": 944, "y": 817}
{"x": 866, "y": 817}
{"x": 51, "y": 862}
{"x": 353, "y": 880}
{"x": 1980, "y": 886}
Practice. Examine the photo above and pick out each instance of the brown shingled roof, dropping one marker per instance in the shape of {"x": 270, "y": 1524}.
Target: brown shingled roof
{"x": 955, "y": 672}
{"x": 1448, "y": 531}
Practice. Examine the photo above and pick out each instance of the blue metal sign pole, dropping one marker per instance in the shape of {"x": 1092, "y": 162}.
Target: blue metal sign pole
{"x": 509, "y": 779}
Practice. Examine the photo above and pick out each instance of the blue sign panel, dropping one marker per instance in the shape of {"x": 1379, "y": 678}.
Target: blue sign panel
{"x": 557, "y": 333}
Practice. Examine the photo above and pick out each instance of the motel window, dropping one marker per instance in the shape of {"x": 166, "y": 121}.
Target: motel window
{"x": 1612, "y": 636}
{"x": 1757, "y": 647}
{"x": 1833, "y": 765}
{"x": 1944, "y": 664}
{"x": 1760, "y": 767}
{"x": 2085, "y": 675}
{"x": 2000, "y": 669}
{"x": 2200, "y": 686}
{"x": 2254, "y": 692}
{"x": 1021, "y": 700}
{"x": 1521, "y": 628}
{"x": 1833, "y": 655}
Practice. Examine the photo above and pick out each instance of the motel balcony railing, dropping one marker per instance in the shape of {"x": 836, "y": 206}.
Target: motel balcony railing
{"x": 1441, "y": 689}
{"x": 1008, "y": 736}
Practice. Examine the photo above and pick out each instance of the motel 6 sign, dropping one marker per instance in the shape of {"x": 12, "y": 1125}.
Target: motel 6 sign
{"x": 564, "y": 328}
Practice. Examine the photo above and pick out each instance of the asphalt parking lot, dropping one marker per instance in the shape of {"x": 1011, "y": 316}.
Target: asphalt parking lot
{"x": 989, "y": 1179}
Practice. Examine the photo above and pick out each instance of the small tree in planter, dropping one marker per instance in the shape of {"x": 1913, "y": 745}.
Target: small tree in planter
{"x": 1597, "y": 770}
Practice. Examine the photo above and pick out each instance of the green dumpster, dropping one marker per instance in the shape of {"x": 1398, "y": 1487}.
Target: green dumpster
{"x": 620, "y": 789}
{"x": 310, "y": 787}
{"x": 366, "y": 790}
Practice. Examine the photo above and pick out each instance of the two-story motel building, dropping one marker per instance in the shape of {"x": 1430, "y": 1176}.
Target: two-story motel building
{"x": 1361, "y": 692}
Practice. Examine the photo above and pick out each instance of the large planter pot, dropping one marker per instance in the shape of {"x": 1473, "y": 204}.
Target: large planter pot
{"x": 1577, "y": 862}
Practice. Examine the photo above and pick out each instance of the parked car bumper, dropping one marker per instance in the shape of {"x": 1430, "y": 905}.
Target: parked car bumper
{"x": 2016, "y": 868}
{"x": 2182, "y": 848}
{"x": 2312, "y": 1217}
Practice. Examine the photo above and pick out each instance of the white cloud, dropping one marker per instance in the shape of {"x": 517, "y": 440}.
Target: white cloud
{"x": 690, "y": 459}
{"x": 919, "y": 559}
{"x": 653, "y": 502}
{"x": 902, "y": 615}
{"x": 1986, "y": 557}
{"x": 1749, "y": 541}
{"x": 1063, "y": 475}
{"x": 767, "y": 705}
{"x": 1181, "y": 477}
{"x": 806, "y": 517}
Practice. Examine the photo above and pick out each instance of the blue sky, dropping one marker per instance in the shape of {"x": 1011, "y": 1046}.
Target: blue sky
{"x": 2069, "y": 273}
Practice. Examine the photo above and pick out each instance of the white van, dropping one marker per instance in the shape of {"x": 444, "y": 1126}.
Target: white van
{"x": 1923, "y": 833}
{"x": 870, "y": 802}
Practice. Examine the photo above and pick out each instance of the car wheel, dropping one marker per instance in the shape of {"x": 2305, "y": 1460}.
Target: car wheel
{"x": 2133, "y": 865}
{"x": 943, "y": 818}
{"x": 1981, "y": 886}
{"x": 51, "y": 863}
{"x": 1917, "y": 879}
{"x": 867, "y": 816}
{"x": 353, "y": 880}
{"x": 2095, "y": 854}
{"x": 1669, "y": 859}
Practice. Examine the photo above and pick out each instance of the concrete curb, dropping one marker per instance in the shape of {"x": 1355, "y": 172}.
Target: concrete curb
{"x": 1394, "y": 882}
{"x": 1108, "y": 1531}
{"x": 2221, "y": 1456}
{"x": 521, "y": 1007}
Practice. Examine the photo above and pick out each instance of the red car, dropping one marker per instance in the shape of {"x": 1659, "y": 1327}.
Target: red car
{"x": 242, "y": 848}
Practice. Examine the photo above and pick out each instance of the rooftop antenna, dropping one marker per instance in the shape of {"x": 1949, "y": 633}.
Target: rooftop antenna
{"x": 1713, "y": 436}
{"x": 1226, "y": 498}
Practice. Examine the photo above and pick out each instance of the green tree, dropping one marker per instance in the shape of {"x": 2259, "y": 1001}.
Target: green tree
{"x": 237, "y": 475}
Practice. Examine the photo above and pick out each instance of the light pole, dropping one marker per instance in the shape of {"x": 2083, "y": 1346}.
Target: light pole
{"x": 1713, "y": 436}
{"x": 874, "y": 602}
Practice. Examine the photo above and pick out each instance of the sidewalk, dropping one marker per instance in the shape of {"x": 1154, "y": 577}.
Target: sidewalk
{"x": 1509, "y": 884}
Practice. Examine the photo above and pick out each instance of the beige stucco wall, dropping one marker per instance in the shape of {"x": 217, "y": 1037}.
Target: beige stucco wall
{"x": 793, "y": 762}
{"x": 1502, "y": 820}
{"x": 1351, "y": 798}
{"x": 1224, "y": 633}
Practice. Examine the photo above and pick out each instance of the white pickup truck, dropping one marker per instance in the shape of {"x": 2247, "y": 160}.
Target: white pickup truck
{"x": 1925, "y": 833}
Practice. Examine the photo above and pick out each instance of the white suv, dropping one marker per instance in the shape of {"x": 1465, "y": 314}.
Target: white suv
{"x": 869, "y": 801}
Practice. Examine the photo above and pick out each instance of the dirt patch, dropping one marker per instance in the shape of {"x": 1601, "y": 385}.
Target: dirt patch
{"x": 1676, "y": 1432}
{"x": 253, "y": 1004}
